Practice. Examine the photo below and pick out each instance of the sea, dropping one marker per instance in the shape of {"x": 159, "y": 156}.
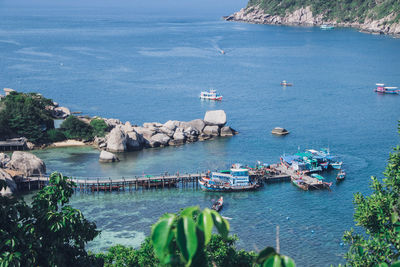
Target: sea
{"x": 152, "y": 68}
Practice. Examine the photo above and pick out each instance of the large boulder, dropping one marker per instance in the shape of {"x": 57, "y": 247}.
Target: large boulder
{"x": 116, "y": 140}
{"x": 145, "y": 132}
{"x": 4, "y": 159}
{"x": 197, "y": 124}
{"x": 167, "y": 131}
{"x": 211, "y": 130}
{"x": 26, "y": 163}
{"x": 111, "y": 123}
{"x": 179, "y": 137}
{"x": 159, "y": 139}
{"x": 152, "y": 124}
{"x": 215, "y": 117}
{"x": 11, "y": 186}
{"x": 135, "y": 141}
{"x": 107, "y": 157}
{"x": 172, "y": 125}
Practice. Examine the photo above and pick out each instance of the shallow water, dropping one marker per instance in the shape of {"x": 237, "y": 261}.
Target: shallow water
{"x": 153, "y": 68}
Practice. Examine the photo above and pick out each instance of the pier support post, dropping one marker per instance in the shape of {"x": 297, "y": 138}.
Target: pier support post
{"x": 98, "y": 185}
{"x": 110, "y": 183}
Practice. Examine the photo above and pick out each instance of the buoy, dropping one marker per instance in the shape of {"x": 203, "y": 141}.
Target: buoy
{"x": 312, "y": 231}
{"x": 287, "y": 218}
{"x": 341, "y": 243}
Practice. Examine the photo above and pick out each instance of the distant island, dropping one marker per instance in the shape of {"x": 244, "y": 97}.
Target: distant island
{"x": 371, "y": 16}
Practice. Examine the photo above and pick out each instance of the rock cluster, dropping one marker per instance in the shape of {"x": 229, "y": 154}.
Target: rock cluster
{"x": 304, "y": 16}
{"x": 107, "y": 157}
{"x": 22, "y": 164}
{"x": 125, "y": 137}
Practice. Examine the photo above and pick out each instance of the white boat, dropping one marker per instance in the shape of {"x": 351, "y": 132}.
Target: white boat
{"x": 211, "y": 95}
{"x": 327, "y": 27}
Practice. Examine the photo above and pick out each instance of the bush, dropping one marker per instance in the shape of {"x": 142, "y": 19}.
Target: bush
{"x": 25, "y": 115}
{"x": 74, "y": 128}
{"x": 55, "y": 135}
{"x": 99, "y": 127}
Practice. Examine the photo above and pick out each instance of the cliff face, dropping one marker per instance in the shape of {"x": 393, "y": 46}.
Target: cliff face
{"x": 305, "y": 17}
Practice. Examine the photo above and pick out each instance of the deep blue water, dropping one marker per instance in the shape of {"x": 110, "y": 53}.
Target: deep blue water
{"x": 153, "y": 68}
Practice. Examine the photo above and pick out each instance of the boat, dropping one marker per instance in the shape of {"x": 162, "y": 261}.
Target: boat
{"x": 381, "y": 88}
{"x": 211, "y": 95}
{"x": 285, "y": 83}
{"x": 234, "y": 179}
{"x": 336, "y": 165}
{"x": 300, "y": 184}
{"x": 279, "y": 131}
{"x": 217, "y": 206}
{"x": 317, "y": 176}
{"x": 341, "y": 175}
{"x": 327, "y": 27}
{"x": 222, "y": 52}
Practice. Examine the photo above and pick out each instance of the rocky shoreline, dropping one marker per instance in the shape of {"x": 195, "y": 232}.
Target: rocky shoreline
{"x": 305, "y": 17}
{"x": 127, "y": 137}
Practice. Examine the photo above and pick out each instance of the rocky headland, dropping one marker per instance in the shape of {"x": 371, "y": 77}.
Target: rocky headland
{"x": 304, "y": 16}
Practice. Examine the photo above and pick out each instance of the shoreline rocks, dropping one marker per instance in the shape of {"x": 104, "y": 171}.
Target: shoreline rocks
{"x": 26, "y": 163}
{"x": 125, "y": 137}
{"x": 106, "y": 157}
{"x": 304, "y": 17}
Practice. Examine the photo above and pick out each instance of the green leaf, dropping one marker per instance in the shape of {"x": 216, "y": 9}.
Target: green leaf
{"x": 221, "y": 224}
{"x": 161, "y": 235}
{"x": 190, "y": 211}
{"x": 287, "y": 262}
{"x": 187, "y": 238}
{"x": 205, "y": 223}
{"x": 395, "y": 264}
{"x": 273, "y": 261}
{"x": 265, "y": 254}
{"x": 383, "y": 264}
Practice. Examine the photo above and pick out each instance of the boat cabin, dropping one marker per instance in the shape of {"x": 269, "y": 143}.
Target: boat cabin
{"x": 235, "y": 177}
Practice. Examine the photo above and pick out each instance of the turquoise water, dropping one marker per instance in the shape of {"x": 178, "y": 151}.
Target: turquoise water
{"x": 153, "y": 68}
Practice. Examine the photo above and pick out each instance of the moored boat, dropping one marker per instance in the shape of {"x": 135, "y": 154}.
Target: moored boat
{"x": 211, "y": 95}
{"x": 317, "y": 176}
{"x": 217, "y": 206}
{"x": 235, "y": 179}
{"x": 341, "y": 175}
{"x": 300, "y": 184}
{"x": 336, "y": 165}
{"x": 381, "y": 88}
{"x": 327, "y": 27}
{"x": 279, "y": 131}
{"x": 285, "y": 83}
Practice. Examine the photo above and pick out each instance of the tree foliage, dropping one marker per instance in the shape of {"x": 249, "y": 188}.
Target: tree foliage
{"x": 47, "y": 233}
{"x": 378, "y": 215}
{"x": 99, "y": 127}
{"x": 74, "y": 128}
{"x": 25, "y": 115}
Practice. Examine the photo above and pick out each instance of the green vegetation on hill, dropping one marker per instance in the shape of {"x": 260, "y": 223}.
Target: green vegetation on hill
{"x": 25, "y": 115}
{"x": 340, "y": 10}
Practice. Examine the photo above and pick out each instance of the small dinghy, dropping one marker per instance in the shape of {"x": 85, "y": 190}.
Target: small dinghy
{"x": 217, "y": 206}
{"x": 341, "y": 175}
{"x": 285, "y": 83}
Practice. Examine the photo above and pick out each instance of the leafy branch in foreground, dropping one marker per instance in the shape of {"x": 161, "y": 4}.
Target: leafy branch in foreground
{"x": 47, "y": 233}
{"x": 379, "y": 215}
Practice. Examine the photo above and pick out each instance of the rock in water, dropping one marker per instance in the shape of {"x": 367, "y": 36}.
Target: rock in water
{"x": 159, "y": 139}
{"x": 107, "y": 157}
{"x": 4, "y": 159}
{"x": 26, "y": 163}
{"x": 215, "y": 117}
{"x": 227, "y": 131}
{"x": 11, "y": 186}
{"x": 211, "y": 130}
{"x": 135, "y": 141}
{"x": 116, "y": 140}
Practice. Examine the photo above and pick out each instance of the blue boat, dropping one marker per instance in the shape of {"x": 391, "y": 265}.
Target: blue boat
{"x": 336, "y": 165}
{"x": 235, "y": 179}
{"x": 327, "y": 27}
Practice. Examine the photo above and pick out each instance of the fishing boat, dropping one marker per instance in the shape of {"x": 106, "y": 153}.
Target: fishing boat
{"x": 285, "y": 83}
{"x": 327, "y": 27}
{"x": 317, "y": 176}
{"x": 341, "y": 175}
{"x": 234, "y": 179}
{"x": 381, "y": 88}
{"x": 336, "y": 165}
{"x": 217, "y": 206}
{"x": 300, "y": 184}
{"x": 211, "y": 95}
{"x": 279, "y": 131}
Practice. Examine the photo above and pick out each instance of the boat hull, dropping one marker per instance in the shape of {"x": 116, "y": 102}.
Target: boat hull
{"x": 224, "y": 188}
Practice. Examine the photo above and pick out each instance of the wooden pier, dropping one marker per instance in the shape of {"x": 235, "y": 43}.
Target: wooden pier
{"x": 276, "y": 173}
{"x": 97, "y": 184}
